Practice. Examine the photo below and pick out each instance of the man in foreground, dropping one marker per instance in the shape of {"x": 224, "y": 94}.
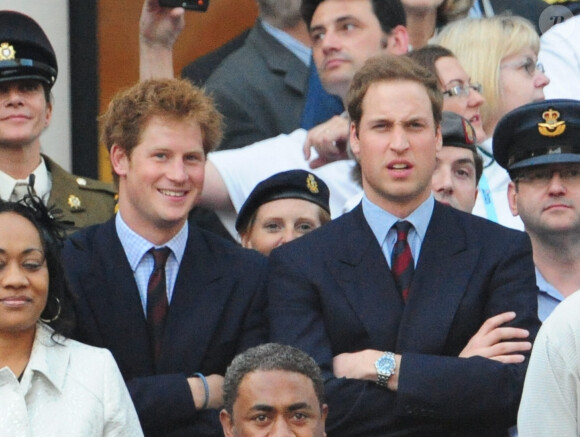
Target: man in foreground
{"x": 273, "y": 390}
{"x": 173, "y": 303}
{"x": 420, "y": 316}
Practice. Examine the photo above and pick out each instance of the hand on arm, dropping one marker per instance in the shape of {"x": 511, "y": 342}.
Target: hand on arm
{"x": 159, "y": 28}
{"x": 490, "y": 341}
{"x": 329, "y": 139}
{"x": 361, "y": 365}
{"x": 215, "y": 384}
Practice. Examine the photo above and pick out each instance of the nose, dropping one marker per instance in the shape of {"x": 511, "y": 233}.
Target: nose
{"x": 556, "y": 186}
{"x": 177, "y": 172}
{"x": 280, "y": 428}
{"x": 441, "y": 181}
{"x": 330, "y": 42}
{"x": 12, "y": 276}
{"x": 475, "y": 99}
{"x": 541, "y": 80}
{"x": 399, "y": 141}
{"x": 13, "y": 97}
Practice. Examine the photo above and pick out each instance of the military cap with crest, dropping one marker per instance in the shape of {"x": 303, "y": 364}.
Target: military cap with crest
{"x": 539, "y": 133}
{"x": 457, "y": 131}
{"x": 292, "y": 184}
{"x": 25, "y": 51}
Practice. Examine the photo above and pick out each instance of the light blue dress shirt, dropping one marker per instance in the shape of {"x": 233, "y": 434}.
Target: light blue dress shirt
{"x": 381, "y": 223}
{"x": 548, "y": 297}
{"x": 142, "y": 263}
{"x": 301, "y": 51}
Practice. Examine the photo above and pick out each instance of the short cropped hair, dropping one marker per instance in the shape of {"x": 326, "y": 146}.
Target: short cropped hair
{"x": 481, "y": 44}
{"x": 427, "y": 56}
{"x": 390, "y": 13}
{"x": 267, "y": 357}
{"x": 131, "y": 109}
{"x": 386, "y": 68}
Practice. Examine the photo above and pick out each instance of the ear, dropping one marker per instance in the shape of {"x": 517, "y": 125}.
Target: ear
{"x": 324, "y": 415}
{"x": 476, "y": 193}
{"x": 513, "y": 198}
{"x": 119, "y": 160}
{"x": 397, "y": 41}
{"x": 439, "y": 138}
{"x": 227, "y": 425}
{"x": 48, "y": 114}
{"x": 354, "y": 142}
{"x": 245, "y": 240}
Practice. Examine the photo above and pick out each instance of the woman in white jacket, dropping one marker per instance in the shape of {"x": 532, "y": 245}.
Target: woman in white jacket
{"x": 49, "y": 385}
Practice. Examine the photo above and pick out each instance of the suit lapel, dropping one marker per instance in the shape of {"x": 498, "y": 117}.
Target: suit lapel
{"x": 199, "y": 297}
{"x": 445, "y": 266}
{"x": 365, "y": 277}
{"x": 117, "y": 304}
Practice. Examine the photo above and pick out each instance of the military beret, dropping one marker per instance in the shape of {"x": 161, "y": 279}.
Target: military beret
{"x": 457, "y": 131}
{"x": 25, "y": 51}
{"x": 292, "y": 184}
{"x": 539, "y": 133}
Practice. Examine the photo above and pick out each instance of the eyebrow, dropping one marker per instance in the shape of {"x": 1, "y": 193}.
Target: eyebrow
{"x": 26, "y": 251}
{"x": 338, "y": 20}
{"x": 464, "y": 161}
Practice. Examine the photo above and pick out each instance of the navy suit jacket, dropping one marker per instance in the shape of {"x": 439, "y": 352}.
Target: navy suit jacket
{"x": 332, "y": 292}
{"x": 217, "y": 311}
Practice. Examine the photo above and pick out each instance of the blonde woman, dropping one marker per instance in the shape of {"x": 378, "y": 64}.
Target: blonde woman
{"x": 500, "y": 53}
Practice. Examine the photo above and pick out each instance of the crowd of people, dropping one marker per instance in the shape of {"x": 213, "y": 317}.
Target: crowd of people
{"x": 398, "y": 204}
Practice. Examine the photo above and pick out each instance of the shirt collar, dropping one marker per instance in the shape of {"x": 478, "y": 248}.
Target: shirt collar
{"x": 299, "y": 50}
{"x": 136, "y": 246}
{"x": 42, "y": 182}
{"x": 547, "y": 288}
{"x": 381, "y": 221}
{"x": 48, "y": 357}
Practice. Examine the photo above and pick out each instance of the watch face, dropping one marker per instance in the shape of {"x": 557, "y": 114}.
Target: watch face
{"x": 386, "y": 364}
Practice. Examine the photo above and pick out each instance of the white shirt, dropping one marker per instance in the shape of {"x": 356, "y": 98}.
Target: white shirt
{"x": 67, "y": 389}
{"x": 550, "y": 403}
{"x": 492, "y": 200}
{"x": 560, "y": 54}
{"x": 42, "y": 182}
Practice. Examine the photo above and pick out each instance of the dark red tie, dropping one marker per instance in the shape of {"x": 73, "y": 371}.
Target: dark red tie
{"x": 157, "y": 300}
{"x": 402, "y": 264}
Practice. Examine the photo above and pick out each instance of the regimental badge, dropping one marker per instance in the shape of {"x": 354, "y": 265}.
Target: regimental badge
{"x": 311, "y": 184}
{"x": 469, "y": 132}
{"x": 552, "y": 127}
{"x": 74, "y": 202}
{"x": 7, "y": 52}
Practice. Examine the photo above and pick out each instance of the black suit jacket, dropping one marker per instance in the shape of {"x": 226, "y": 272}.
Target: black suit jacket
{"x": 332, "y": 292}
{"x": 216, "y": 312}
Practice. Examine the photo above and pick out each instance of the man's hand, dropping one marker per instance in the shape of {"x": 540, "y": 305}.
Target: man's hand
{"x": 159, "y": 25}
{"x": 159, "y": 28}
{"x": 489, "y": 341}
{"x": 216, "y": 392}
{"x": 329, "y": 139}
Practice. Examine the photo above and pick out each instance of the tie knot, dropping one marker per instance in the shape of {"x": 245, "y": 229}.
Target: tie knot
{"x": 402, "y": 228}
{"x": 160, "y": 255}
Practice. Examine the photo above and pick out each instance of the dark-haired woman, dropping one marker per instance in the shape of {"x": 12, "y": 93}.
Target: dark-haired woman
{"x": 49, "y": 385}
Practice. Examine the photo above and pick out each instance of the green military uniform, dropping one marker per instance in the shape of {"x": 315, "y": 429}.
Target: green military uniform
{"x": 82, "y": 201}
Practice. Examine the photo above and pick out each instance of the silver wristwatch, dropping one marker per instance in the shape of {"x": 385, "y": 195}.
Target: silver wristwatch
{"x": 385, "y": 366}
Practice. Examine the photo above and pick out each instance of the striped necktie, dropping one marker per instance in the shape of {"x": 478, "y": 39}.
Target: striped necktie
{"x": 157, "y": 304}
{"x": 402, "y": 263}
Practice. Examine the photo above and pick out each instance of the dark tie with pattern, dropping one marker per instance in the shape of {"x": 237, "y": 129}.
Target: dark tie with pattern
{"x": 157, "y": 303}
{"x": 402, "y": 264}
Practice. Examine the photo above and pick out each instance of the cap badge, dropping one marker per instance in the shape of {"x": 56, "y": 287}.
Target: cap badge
{"x": 311, "y": 184}
{"x": 74, "y": 202}
{"x": 469, "y": 132}
{"x": 552, "y": 127}
{"x": 7, "y": 52}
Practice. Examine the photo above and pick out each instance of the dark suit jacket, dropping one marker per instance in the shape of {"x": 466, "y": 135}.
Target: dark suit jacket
{"x": 216, "y": 311}
{"x": 530, "y": 9}
{"x": 332, "y": 292}
{"x": 260, "y": 90}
